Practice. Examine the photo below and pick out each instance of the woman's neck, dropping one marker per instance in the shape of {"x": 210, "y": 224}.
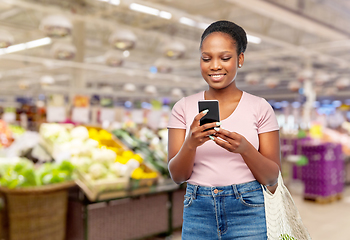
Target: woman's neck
{"x": 229, "y": 94}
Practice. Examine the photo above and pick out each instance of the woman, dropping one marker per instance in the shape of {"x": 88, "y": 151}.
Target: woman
{"x": 224, "y": 167}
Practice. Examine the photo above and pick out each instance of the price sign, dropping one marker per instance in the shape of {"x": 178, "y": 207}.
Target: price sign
{"x": 56, "y": 114}
{"x": 80, "y": 115}
{"x": 107, "y": 114}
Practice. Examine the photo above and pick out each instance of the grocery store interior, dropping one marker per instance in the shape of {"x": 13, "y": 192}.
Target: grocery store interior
{"x": 86, "y": 92}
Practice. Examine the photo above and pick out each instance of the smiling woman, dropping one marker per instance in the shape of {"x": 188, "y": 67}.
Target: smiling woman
{"x": 224, "y": 163}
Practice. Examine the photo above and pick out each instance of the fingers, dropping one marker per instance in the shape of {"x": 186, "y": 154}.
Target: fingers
{"x": 210, "y": 126}
{"x": 201, "y": 114}
{"x": 222, "y": 143}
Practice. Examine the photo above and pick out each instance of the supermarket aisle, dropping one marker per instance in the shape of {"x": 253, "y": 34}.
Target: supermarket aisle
{"x": 324, "y": 221}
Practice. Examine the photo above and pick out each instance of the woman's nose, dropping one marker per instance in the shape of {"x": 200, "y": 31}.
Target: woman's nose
{"x": 215, "y": 65}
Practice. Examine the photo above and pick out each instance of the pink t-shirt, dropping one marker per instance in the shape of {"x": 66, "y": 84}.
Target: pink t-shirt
{"x": 214, "y": 165}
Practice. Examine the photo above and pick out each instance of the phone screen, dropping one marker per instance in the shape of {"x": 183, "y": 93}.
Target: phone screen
{"x": 213, "y": 114}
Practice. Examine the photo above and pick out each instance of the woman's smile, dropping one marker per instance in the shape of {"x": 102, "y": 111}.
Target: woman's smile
{"x": 217, "y": 77}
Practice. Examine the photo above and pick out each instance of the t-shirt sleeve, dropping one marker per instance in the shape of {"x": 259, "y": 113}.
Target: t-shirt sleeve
{"x": 267, "y": 119}
{"x": 177, "y": 117}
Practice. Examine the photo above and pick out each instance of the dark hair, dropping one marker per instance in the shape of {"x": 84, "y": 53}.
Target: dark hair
{"x": 236, "y": 32}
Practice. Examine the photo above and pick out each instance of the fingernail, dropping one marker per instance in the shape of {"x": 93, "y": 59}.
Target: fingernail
{"x": 218, "y": 123}
{"x": 216, "y": 128}
{"x": 211, "y": 137}
{"x": 205, "y": 111}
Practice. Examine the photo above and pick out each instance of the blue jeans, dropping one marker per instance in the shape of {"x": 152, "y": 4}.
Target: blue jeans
{"x": 228, "y": 212}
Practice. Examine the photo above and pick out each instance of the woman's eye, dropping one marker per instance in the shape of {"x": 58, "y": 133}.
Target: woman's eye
{"x": 206, "y": 59}
{"x": 226, "y": 59}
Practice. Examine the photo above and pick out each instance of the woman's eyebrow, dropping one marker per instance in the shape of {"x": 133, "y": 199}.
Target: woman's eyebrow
{"x": 220, "y": 52}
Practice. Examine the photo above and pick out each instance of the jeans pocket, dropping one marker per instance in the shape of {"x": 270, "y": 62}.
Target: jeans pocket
{"x": 254, "y": 198}
{"x": 187, "y": 200}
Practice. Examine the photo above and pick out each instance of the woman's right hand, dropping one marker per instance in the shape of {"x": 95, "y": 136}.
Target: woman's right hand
{"x": 197, "y": 134}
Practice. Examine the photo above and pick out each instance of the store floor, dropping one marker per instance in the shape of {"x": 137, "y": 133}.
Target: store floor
{"x": 324, "y": 221}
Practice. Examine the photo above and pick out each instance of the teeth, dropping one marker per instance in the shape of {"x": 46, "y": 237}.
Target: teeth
{"x": 216, "y": 76}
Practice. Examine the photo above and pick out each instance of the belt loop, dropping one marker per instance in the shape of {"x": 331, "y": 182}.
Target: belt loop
{"x": 195, "y": 191}
{"x": 234, "y": 187}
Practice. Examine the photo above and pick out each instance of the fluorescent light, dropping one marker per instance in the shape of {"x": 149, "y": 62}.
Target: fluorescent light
{"x": 38, "y": 43}
{"x": 164, "y": 14}
{"x": 24, "y": 46}
{"x": 202, "y": 25}
{"x": 16, "y": 48}
{"x": 187, "y": 21}
{"x": 253, "y": 39}
{"x": 114, "y": 2}
{"x": 144, "y": 9}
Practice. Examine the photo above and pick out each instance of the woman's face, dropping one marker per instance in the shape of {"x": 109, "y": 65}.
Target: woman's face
{"x": 219, "y": 61}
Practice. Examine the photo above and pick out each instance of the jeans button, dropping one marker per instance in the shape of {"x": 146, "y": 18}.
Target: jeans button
{"x": 216, "y": 191}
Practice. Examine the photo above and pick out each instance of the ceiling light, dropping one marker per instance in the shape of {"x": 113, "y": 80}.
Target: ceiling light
{"x": 6, "y": 39}
{"x": 174, "y": 49}
{"x": 56, "y": 26}
{"x": 164, "y": 14}
{"x": 126, "y": 53}
{"x": 177, "y": 92}
{"x": 253, "y": 39}
{"x": 321, "y": 77}
{"x": 63, "y": 51}
{"x": 305, "y": 74}
{"x": 24, "y": 46}
{"x": 342, "y": 83}
{"x": 38, "y": 43}
{"x": 114, "y": 2}
{"x": 123, "y": 39}
{"x": 129, "y": 87}
{"x": 271, "y": 82}
{"x": 202, "y": 25}
{"x": 188, "y": 21}
{"x": 47, "y": 80}
{"x": 150, "y": 89}
{"x": 294, "y": 86}
{"x": 163, "y": 65}
{"x": 15, "y": 48}
{"x": 252, "y": 78}
{"x": 114, "y": 58}
{"x": 144, "y": 9}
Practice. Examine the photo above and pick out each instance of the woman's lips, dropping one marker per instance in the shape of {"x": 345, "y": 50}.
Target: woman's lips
{"x": 216, "y": 77}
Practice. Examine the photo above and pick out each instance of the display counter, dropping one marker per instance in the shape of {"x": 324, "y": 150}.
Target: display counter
{"x": 130, "y": 214}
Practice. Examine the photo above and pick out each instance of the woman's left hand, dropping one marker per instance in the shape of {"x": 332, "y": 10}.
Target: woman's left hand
{"x": 231, "y": 141}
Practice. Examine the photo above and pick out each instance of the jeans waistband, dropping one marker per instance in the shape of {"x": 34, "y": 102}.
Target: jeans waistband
{"x": 234, "y": 189}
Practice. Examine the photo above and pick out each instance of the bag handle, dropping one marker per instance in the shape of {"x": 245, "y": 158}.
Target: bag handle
{"x": 279, "y": 182}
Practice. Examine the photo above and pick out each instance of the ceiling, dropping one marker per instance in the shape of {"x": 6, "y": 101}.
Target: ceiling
{"x": 296, "y": 35}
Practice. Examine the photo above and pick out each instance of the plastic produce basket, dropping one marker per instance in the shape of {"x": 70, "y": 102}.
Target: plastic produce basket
{"x": 37, "y": 212}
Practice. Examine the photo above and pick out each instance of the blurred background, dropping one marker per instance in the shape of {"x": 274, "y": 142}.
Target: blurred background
{"x": 87, "y": 86}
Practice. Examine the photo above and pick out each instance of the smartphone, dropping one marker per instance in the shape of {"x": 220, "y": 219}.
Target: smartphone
{"x": 212, "y": 115}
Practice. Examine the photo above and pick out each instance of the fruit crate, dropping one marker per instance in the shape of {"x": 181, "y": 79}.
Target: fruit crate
{"x": 144, "y": 182}
{"x": 93, "y": 189}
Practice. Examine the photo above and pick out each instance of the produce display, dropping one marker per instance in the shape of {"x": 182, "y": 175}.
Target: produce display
{"x": 24, "y": 173}
{"x": 6, "y": 136}
{"x": 148, "y": 144}
{"x": 103, "y": 163}
{"x": 98, "y": 160}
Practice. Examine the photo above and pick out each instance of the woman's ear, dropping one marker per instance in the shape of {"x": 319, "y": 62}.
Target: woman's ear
{"x": 240, "y": 60}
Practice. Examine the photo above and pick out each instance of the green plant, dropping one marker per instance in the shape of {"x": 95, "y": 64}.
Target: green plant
{"x": 286, "y": 237}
